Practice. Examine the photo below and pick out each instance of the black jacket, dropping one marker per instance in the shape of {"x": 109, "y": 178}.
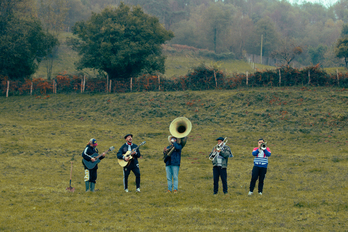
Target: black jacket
{"x": 123, "y": 150}
{"x": 88, "y": 152}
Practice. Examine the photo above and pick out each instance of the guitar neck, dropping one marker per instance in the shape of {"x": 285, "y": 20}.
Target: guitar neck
{"x": 102, "y": 154}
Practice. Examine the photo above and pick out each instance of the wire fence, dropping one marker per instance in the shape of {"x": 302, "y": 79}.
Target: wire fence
{"x": 201, "y": 78}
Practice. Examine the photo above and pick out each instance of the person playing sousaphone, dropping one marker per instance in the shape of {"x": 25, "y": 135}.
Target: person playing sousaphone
{"x": 172, "y": 159}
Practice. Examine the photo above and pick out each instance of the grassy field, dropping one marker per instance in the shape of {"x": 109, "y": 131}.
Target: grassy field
{"x": 305, "y": 187}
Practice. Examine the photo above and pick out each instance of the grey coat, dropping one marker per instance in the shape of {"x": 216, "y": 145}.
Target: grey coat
{"x": 226, "y": 152}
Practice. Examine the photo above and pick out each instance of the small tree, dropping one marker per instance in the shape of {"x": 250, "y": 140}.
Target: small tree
{"x": 121, "y": 41}
{"x": 287, "y": 52}
{"x": 341, "y": 49}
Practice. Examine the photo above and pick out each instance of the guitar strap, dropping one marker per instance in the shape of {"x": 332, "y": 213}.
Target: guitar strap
{"x": 86, "y": 175}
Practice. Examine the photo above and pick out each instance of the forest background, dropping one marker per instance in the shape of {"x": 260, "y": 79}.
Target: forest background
{"x": 232, "y": 27}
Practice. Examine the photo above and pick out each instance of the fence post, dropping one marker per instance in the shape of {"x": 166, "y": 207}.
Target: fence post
{"x": 110, "y": 86}
{"x": 159, "y": 83}
{"x": 131, "y": 82}
{"x": 338, "y": 78}
{"x": 81, "y": 84}
{"x": 247, "y": 78}
{"x": 84, "y": 83}
{"x": 107, "y": 83}
{"x": 280, "y": 78}
{"x": 309, "y": 77}
{"x": 31, "y": 89}
{"x": 215, "y": 79}
{"x": 8, "y": 88}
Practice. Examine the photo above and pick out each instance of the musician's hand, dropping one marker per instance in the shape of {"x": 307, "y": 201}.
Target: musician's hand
{"x": 133, "y": 153}
{"x": 92, "y": 159}
{"x": 103, "y": 154}
{"x": 165, "y": 149}
{"x": 126, "y": 159}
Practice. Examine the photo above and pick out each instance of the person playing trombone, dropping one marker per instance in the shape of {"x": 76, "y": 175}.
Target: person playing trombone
{"x": 261, "y": 154}
{"x": 219, "y": 157}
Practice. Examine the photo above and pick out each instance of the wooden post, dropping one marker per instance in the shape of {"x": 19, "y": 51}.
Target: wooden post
{"x": 131, "y": 81}
{"x": 81, "y": 84}
{"x": 215, "y": 79}
{"x": 31, "y": 89}
{"x": 8, "y": 88}
{"x": 159, "y": 83}
{"x": 107, "y": 83}
{"x": 280, "y": 78}
{"x": 84, "y": 83}
{"x": 110, "y": 86}
{"x": 247, "y": 78}
{"x": 338, "y": 78}
{"x": 309, "y": 77}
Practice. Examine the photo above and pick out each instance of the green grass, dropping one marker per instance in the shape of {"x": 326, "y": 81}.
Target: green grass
{"x": 305, "y": 188}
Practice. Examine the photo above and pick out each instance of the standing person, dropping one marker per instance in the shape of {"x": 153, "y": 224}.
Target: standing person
{"x": 133, "y": 163}
{"x": 172, "y": 159}
{"x": 260, "y": 166}
{"x": 91, "y": 174}
{"x": 220, "y": 162}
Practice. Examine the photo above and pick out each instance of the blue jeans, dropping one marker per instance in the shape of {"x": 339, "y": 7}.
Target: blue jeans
{"x": 172, "y": 173}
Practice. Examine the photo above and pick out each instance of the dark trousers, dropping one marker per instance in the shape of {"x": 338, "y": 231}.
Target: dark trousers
{"x": 257, "y": 173}
{"x": 126, "y": 171}
{"x": 220, "y": 172}
{"x": 90, "y": 174}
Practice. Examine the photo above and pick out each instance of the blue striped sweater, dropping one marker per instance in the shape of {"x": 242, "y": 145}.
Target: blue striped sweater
{"x": 261, "y": 157}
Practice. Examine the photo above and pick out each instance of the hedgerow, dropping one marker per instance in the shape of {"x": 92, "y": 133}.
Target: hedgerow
{"x": 200, "y": 78}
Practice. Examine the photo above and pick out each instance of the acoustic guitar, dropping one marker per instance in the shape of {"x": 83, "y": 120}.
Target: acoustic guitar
{"x": 124, "y": 163}
{"x": 96, "y": 156}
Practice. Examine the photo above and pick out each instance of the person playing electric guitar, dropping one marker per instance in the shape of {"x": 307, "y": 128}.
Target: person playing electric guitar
{"x": 133, "y": 164}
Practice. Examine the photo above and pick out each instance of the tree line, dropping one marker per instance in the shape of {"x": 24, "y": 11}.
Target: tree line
{"x": 123, "y": 38}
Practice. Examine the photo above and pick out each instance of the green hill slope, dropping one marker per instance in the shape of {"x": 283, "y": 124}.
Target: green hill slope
{"x": 304, "y": 189}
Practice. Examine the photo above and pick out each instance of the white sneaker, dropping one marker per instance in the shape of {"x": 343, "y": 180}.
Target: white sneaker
{"x": 126, "y": 190}
{"x": 250, "y": 193}
{"x": 138, "y": 190}
{"x": 260, "y": 193}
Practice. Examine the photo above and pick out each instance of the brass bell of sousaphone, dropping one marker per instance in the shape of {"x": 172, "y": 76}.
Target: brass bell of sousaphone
{"x": 180, "y": 128}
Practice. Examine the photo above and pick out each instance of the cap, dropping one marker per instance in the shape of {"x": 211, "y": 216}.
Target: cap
{"x": 220, "y": 138}
{"x": 128, "y": 135}
{"x": 94, "y": 142}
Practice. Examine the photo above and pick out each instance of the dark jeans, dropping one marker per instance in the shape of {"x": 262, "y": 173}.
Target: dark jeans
{"x": 257, "y": 173}
{"x": 217, "y": 172}
{"x": 90, "y": 174}
{"x": 126, "y": 171}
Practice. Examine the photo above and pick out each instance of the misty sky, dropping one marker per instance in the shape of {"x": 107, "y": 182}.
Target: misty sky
{"x": 324, "y": 2}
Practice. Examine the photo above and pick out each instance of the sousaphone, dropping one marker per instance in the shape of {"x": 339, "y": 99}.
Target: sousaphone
{"x": 180, "y": 128}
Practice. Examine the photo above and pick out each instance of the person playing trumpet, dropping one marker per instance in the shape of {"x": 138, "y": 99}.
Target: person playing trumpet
{"x": 219, "y": 156}
{"x": 261, "y": 154}
{"x": 172, "y": 159}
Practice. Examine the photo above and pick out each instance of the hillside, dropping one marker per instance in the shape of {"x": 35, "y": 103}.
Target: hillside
{"x": 176, "y": 64}
{"x": 306, "y": 130}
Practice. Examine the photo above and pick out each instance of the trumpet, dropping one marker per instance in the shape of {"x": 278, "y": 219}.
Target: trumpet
{"x": 217, "y": 149}
{"x": 263, "y": 146}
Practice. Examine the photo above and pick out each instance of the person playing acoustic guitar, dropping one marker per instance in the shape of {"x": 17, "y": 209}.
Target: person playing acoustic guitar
{"x": 133, "y": 164}
{"x": 91, "y": 174}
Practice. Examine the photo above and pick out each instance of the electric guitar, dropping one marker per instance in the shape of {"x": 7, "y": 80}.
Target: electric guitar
{"x": 124, "y": 163}
{"x": 90, "y": 164}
